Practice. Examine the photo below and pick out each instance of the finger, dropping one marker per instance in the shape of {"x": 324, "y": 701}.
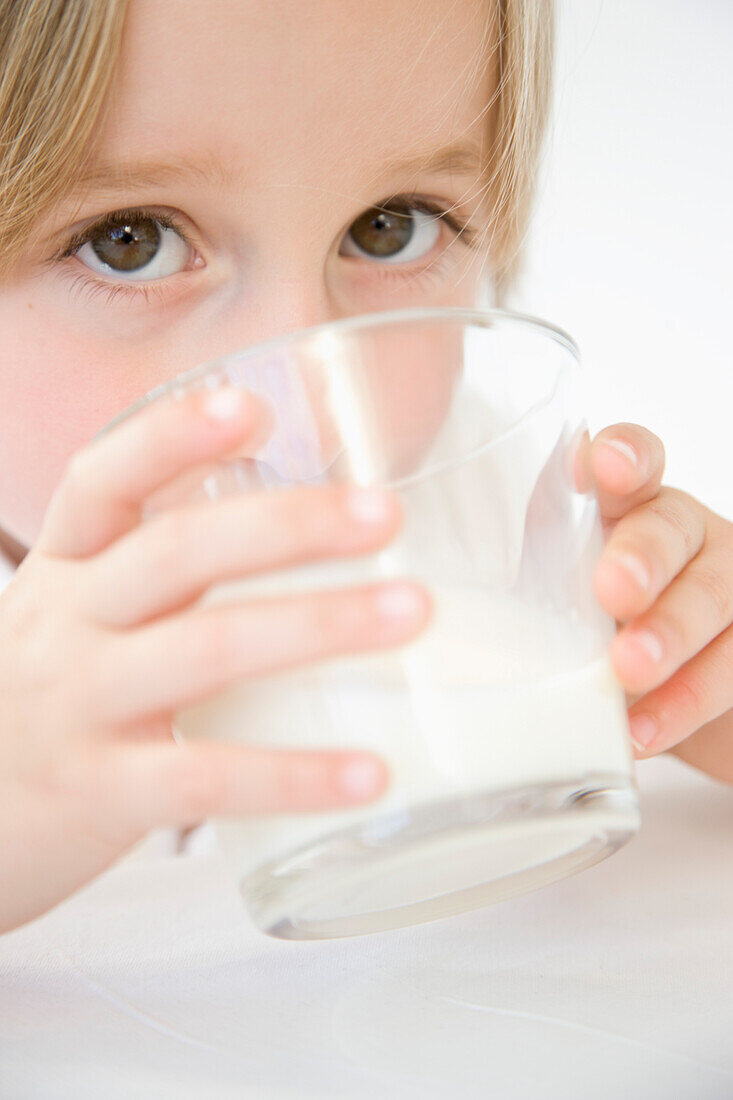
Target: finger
{"x": 170, "y": 560}
{"x": 147, "y": 786}
{"x": 627, "y": 464}
{"x": 182, "y": 659}
{"x": 104, "y": 485}
{"x": 710, "y": 748}
{"x": 696, "y": 608}
{"x": 646, "y": 550}
{"x": 699, "y": 692}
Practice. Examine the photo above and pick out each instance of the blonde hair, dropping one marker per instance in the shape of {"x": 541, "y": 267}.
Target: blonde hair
{"x": 526, "y": 50}
{"x": 57, "y": 61}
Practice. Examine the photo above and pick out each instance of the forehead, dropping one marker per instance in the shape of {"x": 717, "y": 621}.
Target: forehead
{"x": 307, "y": 89}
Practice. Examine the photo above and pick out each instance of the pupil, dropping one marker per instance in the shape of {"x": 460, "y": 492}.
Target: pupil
{"x": 128, "y": 247}
{"x": 384, "y": 233}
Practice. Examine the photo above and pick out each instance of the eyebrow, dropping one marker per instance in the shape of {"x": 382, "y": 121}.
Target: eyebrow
{"x": 459, "y": 158}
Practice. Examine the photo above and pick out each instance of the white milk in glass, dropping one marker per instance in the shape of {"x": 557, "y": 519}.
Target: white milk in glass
{"x": 496, "y": 693}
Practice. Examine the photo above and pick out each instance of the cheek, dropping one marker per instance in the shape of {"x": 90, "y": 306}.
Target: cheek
{"x": 55, "y": 394}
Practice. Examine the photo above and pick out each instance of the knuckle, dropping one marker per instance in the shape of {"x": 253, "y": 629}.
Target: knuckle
{"x": 41, "y": 662}
{"x": 675, "y": 632}
{"x": 724, "y": 530}
{"x": 686, "y": 696}
{"x": 678, "y": 497}
{"x": 725, "y": 654}
{"x": 676, "y": 629}
{"x": 719, "y": 536}
{"x": 672, "y": 507}
{"x": 716, "y": 590}
{"x": 56, "y": 780}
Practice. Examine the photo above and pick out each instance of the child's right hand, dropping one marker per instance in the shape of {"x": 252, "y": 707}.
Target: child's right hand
{"x": 99, "y": 647}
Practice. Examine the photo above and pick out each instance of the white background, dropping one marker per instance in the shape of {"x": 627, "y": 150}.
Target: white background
{"x": 631, "y": 249}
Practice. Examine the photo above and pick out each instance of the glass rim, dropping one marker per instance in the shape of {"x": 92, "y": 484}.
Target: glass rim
{"x": 470, "y": 314}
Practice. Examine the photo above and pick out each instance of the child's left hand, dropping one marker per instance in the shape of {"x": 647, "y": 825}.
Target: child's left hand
{"x": 666, "y": 576}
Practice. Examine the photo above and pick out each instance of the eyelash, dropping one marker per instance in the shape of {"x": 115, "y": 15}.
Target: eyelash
{"x": 111, "y": 291}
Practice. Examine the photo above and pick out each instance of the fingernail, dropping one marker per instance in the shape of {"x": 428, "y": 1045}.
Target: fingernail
{"x": 399, "y": 601}
{"x": 361, "y": 777}
{"x": 649, "y": 642}
{"x": 223, "y": 403}
{"x": 635, "y": 568}
{"x": 369, "y": 505}
{"x": 624, "y": 449}
{"x": 643, "y": 730}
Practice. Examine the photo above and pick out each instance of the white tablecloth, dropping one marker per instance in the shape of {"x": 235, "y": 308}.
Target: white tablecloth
{"x": 616, "y": 983}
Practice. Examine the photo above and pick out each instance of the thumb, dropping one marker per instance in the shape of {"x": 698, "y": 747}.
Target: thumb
{"x": 626, "y": 462}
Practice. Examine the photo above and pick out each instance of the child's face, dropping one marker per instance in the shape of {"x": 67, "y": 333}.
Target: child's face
{"x": 265, "y": 133}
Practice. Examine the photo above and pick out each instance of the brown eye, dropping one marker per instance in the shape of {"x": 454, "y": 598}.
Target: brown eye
{"x": 129, "y": 246}
{"x": 136, "y": 246}
{"x": 399, "y": 233}
{"x": 382, "y": 233}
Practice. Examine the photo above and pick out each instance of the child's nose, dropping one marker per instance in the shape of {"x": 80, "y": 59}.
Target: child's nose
{"x": 292, "y": 378}
{"x": 277, "y": 305}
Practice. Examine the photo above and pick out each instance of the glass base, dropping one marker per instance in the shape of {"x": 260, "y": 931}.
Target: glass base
{"x": 442, "y": 858}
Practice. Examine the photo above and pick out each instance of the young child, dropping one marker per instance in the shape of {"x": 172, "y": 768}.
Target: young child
{"x": 178, "y": 180}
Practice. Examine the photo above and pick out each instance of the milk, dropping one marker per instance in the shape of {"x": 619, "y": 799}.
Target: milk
{"x": 496, "y": 693}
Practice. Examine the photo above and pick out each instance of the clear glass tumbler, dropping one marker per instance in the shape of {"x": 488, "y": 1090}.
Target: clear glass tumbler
{"x": 502, "y": 723}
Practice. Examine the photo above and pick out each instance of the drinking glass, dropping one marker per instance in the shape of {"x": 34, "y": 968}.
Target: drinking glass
{"x": 502, "y": 723}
